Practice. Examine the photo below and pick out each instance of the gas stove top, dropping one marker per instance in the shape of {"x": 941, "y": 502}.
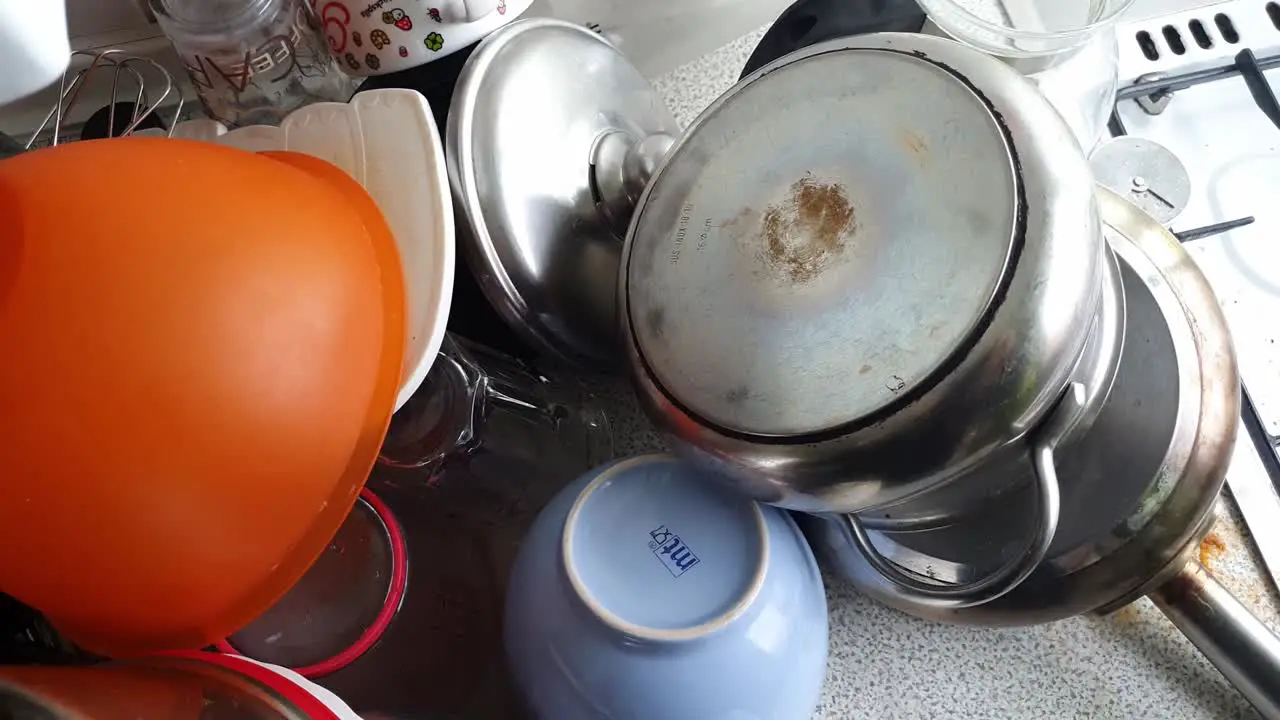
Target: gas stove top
{"x": 1195, "y": 78}
{"x": 1147, "y": 9}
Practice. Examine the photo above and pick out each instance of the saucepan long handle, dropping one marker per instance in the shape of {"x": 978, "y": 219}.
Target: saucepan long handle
{"x": 1231, "y": 637}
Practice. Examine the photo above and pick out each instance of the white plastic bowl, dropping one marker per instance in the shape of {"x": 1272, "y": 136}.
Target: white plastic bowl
{"x": 388, "y": 141}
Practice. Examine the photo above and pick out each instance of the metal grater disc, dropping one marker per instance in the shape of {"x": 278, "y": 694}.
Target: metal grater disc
{"x": 1145, "y": 173}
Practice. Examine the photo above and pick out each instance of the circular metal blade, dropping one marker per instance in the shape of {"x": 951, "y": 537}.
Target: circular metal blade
{"x": 1146, "y": 173}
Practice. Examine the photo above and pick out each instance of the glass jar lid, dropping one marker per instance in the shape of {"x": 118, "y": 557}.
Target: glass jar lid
{"x": 824, "y": 244}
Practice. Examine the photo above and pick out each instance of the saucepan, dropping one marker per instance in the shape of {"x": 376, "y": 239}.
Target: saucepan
{"x": 1139, "y": 488}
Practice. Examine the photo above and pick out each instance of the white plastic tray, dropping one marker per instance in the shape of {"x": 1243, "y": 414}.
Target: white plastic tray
{"x": 388, "y": 141}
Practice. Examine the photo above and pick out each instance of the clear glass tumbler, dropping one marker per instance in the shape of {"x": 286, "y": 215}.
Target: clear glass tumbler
{"x": 253, "y": 61}
{"x": 1025, "y": 28}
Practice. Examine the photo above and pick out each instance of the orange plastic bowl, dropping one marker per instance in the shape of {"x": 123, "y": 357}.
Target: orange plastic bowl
{"x": 200, "y": 350}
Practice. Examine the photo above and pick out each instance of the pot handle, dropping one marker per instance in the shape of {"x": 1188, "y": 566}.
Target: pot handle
{"x": 1232, "y": 638}
{"x": 917, "y": 590}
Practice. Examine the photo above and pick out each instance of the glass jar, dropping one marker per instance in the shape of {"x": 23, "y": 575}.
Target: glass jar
{"x": 1025, "y": 29}
{"x": 1082, "y": 86}
{"x": 252, "y": 62}
{"x": 509, "y": 433}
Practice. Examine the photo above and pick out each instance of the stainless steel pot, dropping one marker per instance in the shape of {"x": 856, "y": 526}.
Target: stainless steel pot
{"x": 866, "y": 269}
{"x": 869, "y": 268}
{"x": 1139, "y": 488}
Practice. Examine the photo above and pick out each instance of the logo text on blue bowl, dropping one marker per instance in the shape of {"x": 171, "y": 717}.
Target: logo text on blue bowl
{"x": 671, "y": 551}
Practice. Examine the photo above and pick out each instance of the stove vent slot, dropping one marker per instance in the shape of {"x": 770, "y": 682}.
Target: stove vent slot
{"x": 1148, "y": 46}
{"x": 1227, "y": 28}
{"x": 1174, "y": 39}
{"x": 1200, "y": 34}
{"x": 1273, "y": 12}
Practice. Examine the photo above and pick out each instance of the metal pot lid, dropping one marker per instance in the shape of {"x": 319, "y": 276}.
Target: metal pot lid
{"x": 542, "y": 120}
{"x": 825, "y": 241}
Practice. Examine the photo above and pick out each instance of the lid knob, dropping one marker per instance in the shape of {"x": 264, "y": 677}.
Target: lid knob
{"x": 621, "y": 166}
{"x": 548, "y": 174}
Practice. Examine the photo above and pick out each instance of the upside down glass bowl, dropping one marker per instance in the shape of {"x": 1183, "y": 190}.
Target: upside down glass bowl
{"x": 1066, "y": 47}
{"x": 1024, "y": 28}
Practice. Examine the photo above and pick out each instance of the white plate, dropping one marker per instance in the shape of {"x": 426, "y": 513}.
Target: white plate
{"x": 388, "y": 141}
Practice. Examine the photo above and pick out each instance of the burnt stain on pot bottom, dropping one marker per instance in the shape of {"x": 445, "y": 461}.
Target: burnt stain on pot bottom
{"x": 802, "y": 235}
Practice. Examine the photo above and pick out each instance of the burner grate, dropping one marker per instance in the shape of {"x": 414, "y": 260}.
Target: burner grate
{"x": 1152, "y": 93}
{"x": 1246, "y": 65}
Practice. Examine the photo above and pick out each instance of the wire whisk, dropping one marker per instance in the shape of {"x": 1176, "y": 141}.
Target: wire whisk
{"x": 146, "y": 73}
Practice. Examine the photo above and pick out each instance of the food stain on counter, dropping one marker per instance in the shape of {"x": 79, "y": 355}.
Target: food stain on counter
{"x": 1211, "y": 549}
{"x": 1127, "y": 613}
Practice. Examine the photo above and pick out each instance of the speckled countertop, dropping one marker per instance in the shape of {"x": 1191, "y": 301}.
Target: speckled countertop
{"x": 884, "y": 664}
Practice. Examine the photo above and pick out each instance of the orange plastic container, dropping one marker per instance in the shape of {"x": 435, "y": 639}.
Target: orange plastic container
{"x": 200, "y": 350}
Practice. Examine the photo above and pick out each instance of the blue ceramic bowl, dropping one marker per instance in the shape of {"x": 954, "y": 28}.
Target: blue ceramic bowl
{"x": 645, "y": 591}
